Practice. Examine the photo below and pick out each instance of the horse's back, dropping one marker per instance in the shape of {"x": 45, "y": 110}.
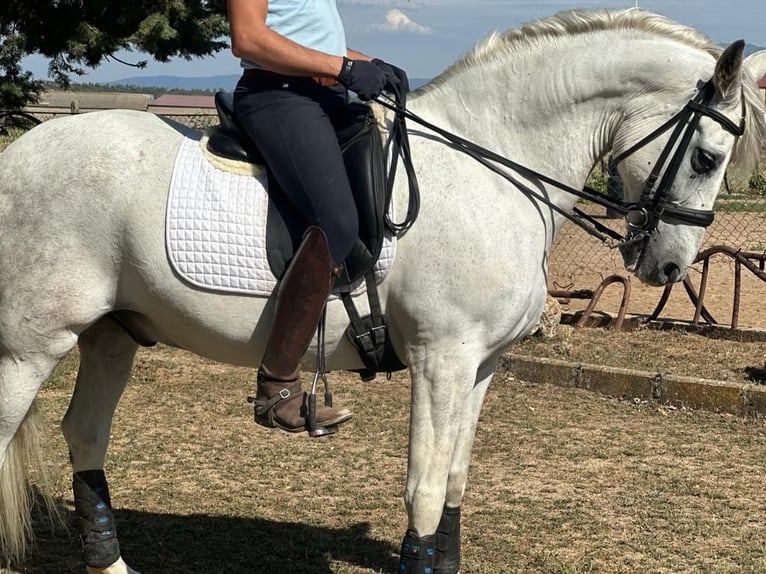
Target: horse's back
{"x": 86, "y": 160}
{"x": 68, "y": 189}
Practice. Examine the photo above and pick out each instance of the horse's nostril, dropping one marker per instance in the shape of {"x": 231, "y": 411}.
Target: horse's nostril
{"x": 672, "y": 272}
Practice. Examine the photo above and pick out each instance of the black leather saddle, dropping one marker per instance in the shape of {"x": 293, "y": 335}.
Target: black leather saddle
{"x": 364, "y": 159}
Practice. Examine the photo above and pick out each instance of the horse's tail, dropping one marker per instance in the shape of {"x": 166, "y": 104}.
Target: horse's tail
{"x": 17, "y": 497}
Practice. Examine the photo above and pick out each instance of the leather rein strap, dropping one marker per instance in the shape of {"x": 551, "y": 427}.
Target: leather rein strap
{"x": 400, "y": 146}
{"x": 645, "y": 215}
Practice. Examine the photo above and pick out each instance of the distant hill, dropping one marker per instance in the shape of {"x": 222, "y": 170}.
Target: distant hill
{"x": 227, "y": 82}
{"x": 210, "y": 83}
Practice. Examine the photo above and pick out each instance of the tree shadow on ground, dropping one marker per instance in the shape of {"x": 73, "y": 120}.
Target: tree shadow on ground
{"x": 156, "y": 543}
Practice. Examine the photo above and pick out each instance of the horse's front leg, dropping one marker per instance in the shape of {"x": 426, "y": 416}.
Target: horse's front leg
{"x": 448, "y": 531}
{"x": 106, "y": 359}
{"x": 442, "y": 380}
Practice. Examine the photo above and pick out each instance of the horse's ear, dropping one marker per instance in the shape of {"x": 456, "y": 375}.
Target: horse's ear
{"x": 756, "y": 64}
{"x": 728, "y": 71}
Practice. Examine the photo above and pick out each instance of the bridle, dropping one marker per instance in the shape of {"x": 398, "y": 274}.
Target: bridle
{"x": 652, "y": 207}
{"x": 642, "y": 216}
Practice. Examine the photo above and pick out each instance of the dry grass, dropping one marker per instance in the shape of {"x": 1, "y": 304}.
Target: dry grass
{"x": 563, "y": 482}
{"x": 5, "y": 141}
{"x": 670, "y": 352}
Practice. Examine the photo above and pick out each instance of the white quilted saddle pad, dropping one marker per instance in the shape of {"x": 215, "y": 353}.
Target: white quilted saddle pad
{"x": 216, "y": 227}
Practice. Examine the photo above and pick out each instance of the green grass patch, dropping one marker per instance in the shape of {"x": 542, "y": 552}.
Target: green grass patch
{"x": 747, "y": 204}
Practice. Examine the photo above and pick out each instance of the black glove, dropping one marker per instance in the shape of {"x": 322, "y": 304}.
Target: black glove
{"x": 362, "y": 77}
{"x": 396, "y": 78}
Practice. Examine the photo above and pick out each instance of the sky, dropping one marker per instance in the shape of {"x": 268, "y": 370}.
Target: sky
{"x": 425, "y": 36}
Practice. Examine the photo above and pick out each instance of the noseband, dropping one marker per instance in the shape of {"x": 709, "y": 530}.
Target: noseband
{"x": 652, "y": 207}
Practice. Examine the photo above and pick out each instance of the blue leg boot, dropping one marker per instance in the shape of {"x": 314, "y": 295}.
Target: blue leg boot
{"x": 418, "y": 554}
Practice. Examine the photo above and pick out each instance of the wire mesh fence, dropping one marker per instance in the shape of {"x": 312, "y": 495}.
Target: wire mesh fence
{"x": 580, "y": 262}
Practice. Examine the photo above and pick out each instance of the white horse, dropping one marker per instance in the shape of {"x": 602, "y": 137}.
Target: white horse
{"x": 82, "y": 215}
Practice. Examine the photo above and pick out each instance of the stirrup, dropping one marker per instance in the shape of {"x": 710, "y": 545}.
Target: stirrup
{"x": 311, "y": 400}
{"x": 311, "y": 406}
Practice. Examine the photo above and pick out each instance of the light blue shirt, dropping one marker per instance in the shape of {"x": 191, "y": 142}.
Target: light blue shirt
{"x": 314, "y": 24}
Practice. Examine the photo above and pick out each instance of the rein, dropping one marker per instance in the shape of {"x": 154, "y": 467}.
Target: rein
{"x": 400, "y": 146}
{"x": 642, "y": 217}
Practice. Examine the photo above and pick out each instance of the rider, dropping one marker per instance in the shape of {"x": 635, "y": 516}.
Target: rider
{"x": 293, "y": 91}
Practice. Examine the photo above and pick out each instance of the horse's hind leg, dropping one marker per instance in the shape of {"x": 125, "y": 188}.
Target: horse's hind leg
{"x": 106, "y": 360}
{"x": 25, "y": 363}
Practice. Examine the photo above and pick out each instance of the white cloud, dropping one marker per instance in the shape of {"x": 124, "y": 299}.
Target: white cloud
{"x": 398, "y": 21}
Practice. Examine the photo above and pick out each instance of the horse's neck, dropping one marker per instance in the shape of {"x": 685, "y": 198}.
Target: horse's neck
{"x": 554, "y": 110}
{"x": 503, "y": 121}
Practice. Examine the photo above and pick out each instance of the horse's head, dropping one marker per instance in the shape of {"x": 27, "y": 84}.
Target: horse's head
{"x": 673, "y": 174}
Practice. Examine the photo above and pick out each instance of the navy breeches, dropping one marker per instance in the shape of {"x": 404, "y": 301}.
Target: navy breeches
{"x": 293, "y": 123}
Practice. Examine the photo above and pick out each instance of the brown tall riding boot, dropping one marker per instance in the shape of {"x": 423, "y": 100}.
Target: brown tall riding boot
{"x": 301, "y": 296}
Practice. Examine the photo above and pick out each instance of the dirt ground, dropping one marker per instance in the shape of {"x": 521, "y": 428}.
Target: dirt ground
{"x": 562, "y": 481}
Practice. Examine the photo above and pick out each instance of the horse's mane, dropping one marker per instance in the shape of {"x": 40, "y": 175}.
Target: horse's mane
{"x": 500, "y": 46}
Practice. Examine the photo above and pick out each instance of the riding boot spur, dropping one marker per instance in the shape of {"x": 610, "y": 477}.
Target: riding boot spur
{"x": 301, "y": 297}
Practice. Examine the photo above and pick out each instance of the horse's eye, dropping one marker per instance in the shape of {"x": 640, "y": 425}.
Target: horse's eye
{"x": 704, "y": 161}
